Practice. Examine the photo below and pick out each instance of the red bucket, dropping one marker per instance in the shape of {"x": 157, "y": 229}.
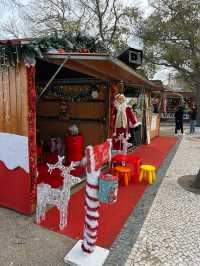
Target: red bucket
{"x": 74, "y": 148}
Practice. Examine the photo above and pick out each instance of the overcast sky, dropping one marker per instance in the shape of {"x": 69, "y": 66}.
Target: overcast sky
{"x": 143, "y": 4}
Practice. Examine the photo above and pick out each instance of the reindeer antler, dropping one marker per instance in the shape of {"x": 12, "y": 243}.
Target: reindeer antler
{"x": 65, "y": 170}
{"x": 58, "y": 165}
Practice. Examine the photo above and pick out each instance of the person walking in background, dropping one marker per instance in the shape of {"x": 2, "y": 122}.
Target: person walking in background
{"x": 135, "y": 131}
{"x": 179, "y": 119}
{"x": 193, "y": 116}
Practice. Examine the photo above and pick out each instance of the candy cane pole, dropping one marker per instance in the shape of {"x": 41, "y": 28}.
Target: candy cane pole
{"x": 91, "y": 204}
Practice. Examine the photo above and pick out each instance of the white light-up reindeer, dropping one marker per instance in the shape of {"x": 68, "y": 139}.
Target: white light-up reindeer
{"x": 124, "y": 144}
{"x": 58, "y": 197}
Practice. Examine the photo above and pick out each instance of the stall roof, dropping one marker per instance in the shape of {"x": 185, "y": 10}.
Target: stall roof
{"x": 17, "y": 41}
{"x": 102, "y": 66}
{"x": 159, "y": 88}
{"x": 99, "y": 65}
{"x": 173, "y": 93}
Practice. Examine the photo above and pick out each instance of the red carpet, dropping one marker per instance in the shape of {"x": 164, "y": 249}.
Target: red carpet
{"x": 112, "y": 217}
{"x": 156, "y": 151}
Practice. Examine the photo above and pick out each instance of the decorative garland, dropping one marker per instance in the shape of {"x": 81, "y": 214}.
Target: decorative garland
{"x": 58, "y": 92}
{"x": 12, "y": 52}
{"x": 32, "y": 134}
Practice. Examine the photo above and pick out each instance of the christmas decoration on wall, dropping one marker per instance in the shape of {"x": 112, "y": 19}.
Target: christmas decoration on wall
{"x": 57, "y": 197}
{"x": 70, "y": 93}
{"x": 64, "y": 111}
{"x": 9, "y": 55}
{"x": 73, "y": 130}
{"x": 94, "y": 94}
{"x": 3, "y": 58}
{"x": 95, "y": 91}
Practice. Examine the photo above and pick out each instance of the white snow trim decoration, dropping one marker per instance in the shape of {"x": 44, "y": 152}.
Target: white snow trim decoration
{"x": 14, "y": 151}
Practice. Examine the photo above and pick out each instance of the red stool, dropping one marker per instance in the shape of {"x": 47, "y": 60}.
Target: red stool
{"x": 134, "y": 162}
{"x": 124, "y": 171}
{"x": 119, "y": 158}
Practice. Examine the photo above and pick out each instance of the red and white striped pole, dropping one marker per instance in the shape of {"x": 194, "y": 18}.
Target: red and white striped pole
{"x": 91, "y": 204}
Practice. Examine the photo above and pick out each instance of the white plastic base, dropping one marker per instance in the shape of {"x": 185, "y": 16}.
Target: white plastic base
{"x": 77, "y": 257}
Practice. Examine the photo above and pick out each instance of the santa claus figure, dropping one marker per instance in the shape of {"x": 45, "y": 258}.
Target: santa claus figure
{"x": 123, "y": 121}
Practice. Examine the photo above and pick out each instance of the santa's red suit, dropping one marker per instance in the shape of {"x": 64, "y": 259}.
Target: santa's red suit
{"x": 123, "y": 121}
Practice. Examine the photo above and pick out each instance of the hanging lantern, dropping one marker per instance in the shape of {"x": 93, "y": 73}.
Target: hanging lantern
{"x": 108, "y": 188}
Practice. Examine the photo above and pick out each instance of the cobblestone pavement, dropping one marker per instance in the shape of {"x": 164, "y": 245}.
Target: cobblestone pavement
{"x": 170, "y": 234}
{"x": 22, "y": 243}
{"x": 123, "y": 244}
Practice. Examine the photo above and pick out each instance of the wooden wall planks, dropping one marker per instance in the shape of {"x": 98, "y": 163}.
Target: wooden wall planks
{"x": 14, "y": 100}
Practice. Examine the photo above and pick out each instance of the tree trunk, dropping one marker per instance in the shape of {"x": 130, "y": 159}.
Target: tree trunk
{"x": 197, "y": 101}
{"x": 196, "y": 182}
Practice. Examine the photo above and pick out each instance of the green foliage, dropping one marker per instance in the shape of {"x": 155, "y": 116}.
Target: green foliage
{"x": 171, "y": 36}
{"x": 12, "y": 53}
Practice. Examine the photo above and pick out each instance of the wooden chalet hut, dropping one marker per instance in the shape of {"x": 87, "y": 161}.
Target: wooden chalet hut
{"x": 47, "y": 94}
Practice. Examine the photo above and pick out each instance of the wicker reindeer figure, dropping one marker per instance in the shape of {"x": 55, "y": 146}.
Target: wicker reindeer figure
{"x": 125, "y": 143}
{"x": 58, "y": 197}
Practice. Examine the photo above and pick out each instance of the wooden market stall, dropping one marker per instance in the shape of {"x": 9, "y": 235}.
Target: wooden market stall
{"x": 141, "y": 99}
{"x": 72, "y": 98}
{"x": 174, "y": 98}
{"x": 49, "y": 95}
{"x": 157, "y": 102}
